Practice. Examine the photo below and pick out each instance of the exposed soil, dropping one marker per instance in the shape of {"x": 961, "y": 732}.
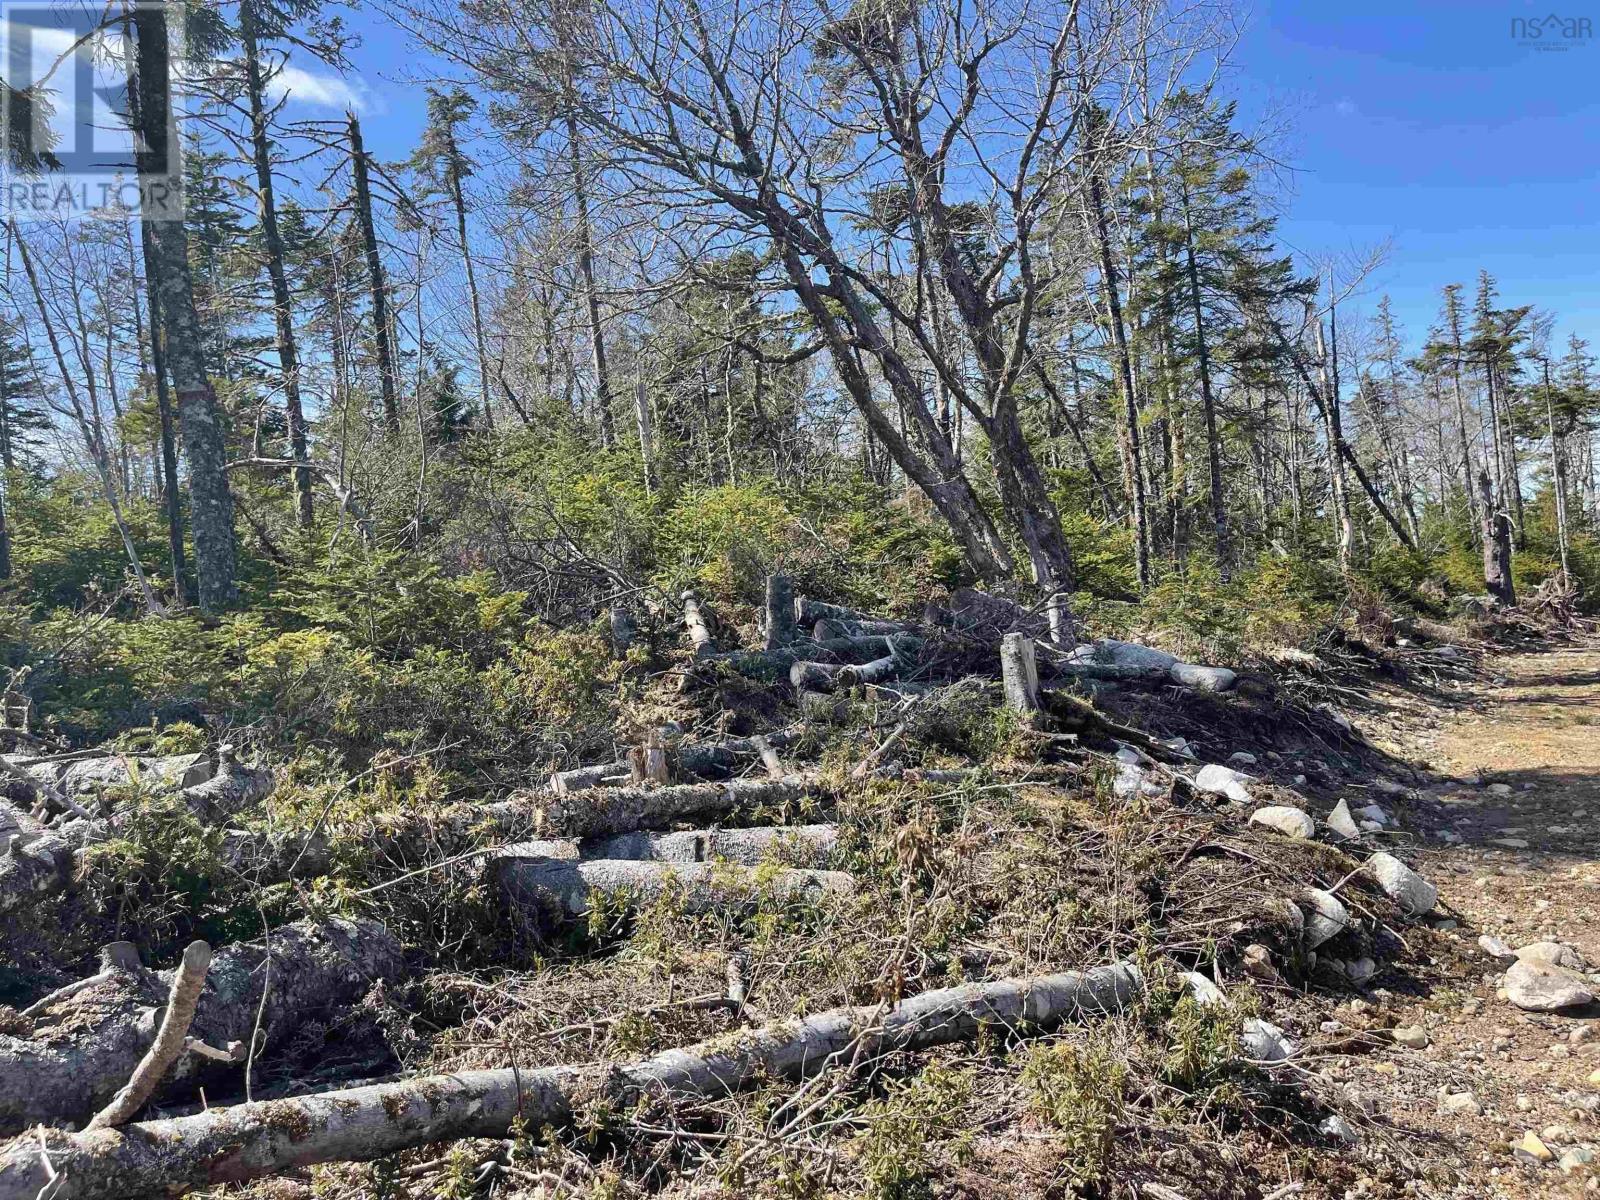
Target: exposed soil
{"x": 1505, "y": 825}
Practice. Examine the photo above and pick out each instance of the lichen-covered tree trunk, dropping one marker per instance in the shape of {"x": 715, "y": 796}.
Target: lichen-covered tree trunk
{"x": 158, "y": 151}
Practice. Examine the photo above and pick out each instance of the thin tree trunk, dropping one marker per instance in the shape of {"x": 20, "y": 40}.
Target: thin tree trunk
{"x": 383, "y": 329}
{"x": 1558, "y": 475}
{"x": 171, "y": 502}
{"x": 92, "y": 436}
{"x": 272, "y": 243}
{"x": 591, "y": 292}
{"x": 1130, "y": 414}
{"x": 458, "y": 198}
{"x": 1219, "y": 511}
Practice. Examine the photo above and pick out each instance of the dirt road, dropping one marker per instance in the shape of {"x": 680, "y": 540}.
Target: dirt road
{"x": 1514, "y": 846}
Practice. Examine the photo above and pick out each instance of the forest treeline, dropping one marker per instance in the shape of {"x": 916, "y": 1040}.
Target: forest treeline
{"x": 889, "y": 296}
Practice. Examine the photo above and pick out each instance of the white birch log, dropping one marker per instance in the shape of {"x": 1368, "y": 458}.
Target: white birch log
{"x": 695, "y": 621}
{"x": 623, "y": 810}
{"x": 797, "y": 845}
{"x": 556, "y": 889}
{"x": 226, "y": 1145}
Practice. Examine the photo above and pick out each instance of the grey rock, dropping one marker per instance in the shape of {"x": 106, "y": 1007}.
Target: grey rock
{"x": 1337, "y": 1127}
{"x": 1214, "y": 779}
{"x": 1361, "y": 969}
{"x": 1202, "y": 679}
{"x": 1265, "y": 1042}
{"x": 1551, "y": 954}
{"x": 1414, "y": 894}
{"x": 1206, "y": 993}
{"x": 1326, "y": 919}
{"x": 1539, "y": 987}
{"x": 1496, "y": 948}
{"x": 1342, "y": 823}
{"x": 1290, "y": 822}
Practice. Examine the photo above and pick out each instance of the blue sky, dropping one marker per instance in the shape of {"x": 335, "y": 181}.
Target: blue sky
{"x": 1426, "y": 125}
{"x": 1431, "y": 125}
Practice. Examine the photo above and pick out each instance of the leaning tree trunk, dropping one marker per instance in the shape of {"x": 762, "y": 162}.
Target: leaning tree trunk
{"x": 171, "y": 1157}
{"x": 81, "y": 1049}
{"x": 158, "y": 155}
{"x": 272, "y": 243}
{"x": 388, "y": 374}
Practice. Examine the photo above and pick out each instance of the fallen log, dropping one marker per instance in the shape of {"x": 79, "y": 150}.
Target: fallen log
{"x": 556, "y": 889}
{"x": 87, "y": 776}
{"x": 251, "y": 1141}
{"x": 830, "y": 627}
{"x": 34, "y": 863}
{"x": 713, "y": 760}
{"x": 695, "y": 621}
{"x": 232, "y": 789}
{"x": 626, "y": 809}
{"x": 798, "y": 845}
{"x": 901, "y": 652}
{"x": 771, "y": 665}
{"x": 83, "y": 1047}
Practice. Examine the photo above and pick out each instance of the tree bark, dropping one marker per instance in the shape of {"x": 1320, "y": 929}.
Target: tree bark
{"x": 84, "y": 1048}
{"x": 809, "y": 846}
{"x": 159, "y": 155}
{"x": 272, "y": 243}
{"x": 625, "y": 810}
{"x": 388, "y": 373}
{"x": 245, "y": 1142}
{"x": 1208, "y": 404}
{"x": 552, "y": 890}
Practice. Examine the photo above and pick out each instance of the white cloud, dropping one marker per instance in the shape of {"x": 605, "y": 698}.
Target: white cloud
{"x": 1345, "y": 107}
{"x": 318, "y": 90}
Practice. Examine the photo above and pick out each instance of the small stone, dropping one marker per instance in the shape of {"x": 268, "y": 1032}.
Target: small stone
{"x": 1342, "y": 823}
{"x": 1496, "y": 948}
{"x": 1536, "y": 987}
{"x": 1361, "y": 969}
{"x": 1327, "y": 918}
{"x": 1206, "y": 993}
{"x": 1583, "y": 1034}
{"x": 1461, "y": 1103}
{"x": 1575, "y": 1159}
{"x": 1337, "y": 1127}
{"x": 1594, "y": 1078}
{"x": 1374, "y": 813}
{"x": 1509, "y": 843}
{"x": 1214, "y": 779}
{"x": 1556, "y": 1133}
{"x": 1243, "y": 757}
{"x": 1533, "y": 1147}
{"x": 1257, "y": 962}
{"x": 1413, "y": 1037}
{"x": 1560, "y": 1050}
{"x": 1284, "y": 819}
{"x": 1299, "y": 780}
{"x": 1414, "y": 894}
{"x": 1551, "y": 954}
{"x": 1524, "y": 1103}
{"x": 1265, "y": 1042}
